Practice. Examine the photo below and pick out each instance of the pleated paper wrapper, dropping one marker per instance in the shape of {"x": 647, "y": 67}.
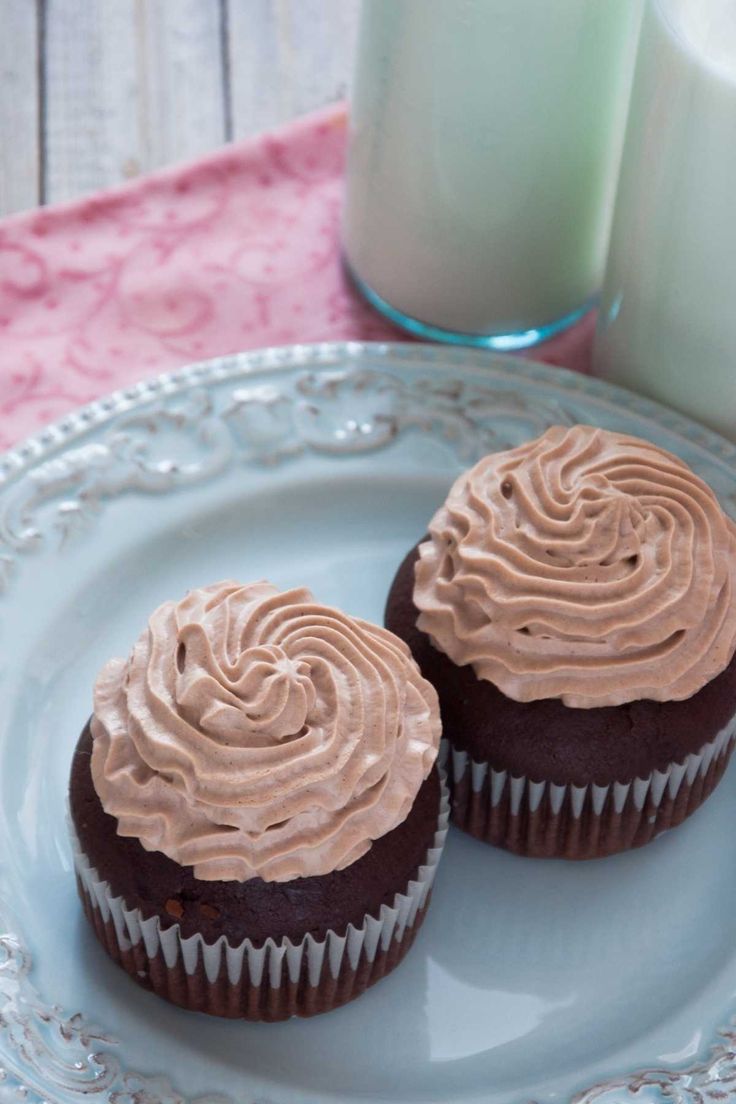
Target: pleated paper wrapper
{"x": 546, "y": 820}
{"x": 270, "y": 982}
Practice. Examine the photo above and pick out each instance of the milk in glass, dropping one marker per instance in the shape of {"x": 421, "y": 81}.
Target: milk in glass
{"x": 485, "y": 137}
{"x": 668, "y": 320}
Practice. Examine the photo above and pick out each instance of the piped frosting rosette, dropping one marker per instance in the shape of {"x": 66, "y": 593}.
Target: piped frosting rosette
{"x": 256, "y": 733}
{"x": 587, "y": 566}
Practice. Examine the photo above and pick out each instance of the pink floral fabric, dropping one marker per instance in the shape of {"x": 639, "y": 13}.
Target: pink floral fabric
{"x": 236, "y": 251}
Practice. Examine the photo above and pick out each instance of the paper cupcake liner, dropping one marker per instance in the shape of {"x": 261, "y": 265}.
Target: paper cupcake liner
{"x": 274, "y": 981}
{"x": 546, "y": 820}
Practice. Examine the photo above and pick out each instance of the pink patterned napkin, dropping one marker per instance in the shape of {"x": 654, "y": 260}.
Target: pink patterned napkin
{"x": 235, "y": 251}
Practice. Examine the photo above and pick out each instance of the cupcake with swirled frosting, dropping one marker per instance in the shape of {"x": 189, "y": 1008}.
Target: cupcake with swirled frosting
{"x": 256, "y": 808}
{"x": 574, "y": 605}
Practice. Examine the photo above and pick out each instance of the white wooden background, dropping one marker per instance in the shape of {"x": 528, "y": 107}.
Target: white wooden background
{"x": 94, "y": 92}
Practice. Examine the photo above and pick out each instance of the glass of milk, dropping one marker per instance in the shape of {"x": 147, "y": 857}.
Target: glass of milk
{"x": 667, "y": 325}
{"x": 485, "y": 137}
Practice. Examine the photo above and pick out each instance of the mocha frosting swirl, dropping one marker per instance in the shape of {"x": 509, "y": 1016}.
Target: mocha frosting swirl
{"x": 257, "y": 733}
{"x": 585, "y": 565}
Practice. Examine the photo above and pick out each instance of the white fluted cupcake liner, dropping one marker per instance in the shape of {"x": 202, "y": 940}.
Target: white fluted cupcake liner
{"x": 550, "y": 820}
{"x": 276, "y": 980}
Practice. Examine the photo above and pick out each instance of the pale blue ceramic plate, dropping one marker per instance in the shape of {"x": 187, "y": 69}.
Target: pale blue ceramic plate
{"x": 531, "y": 980}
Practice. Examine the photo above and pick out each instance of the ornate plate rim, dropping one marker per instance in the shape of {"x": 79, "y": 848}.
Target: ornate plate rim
{"x": 70, "y": 1042}
{"x": 36, "y": 447}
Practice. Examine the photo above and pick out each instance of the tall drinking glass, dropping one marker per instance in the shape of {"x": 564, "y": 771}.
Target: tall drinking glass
{"x": 484, "y": 144}
{"x": 668, "y": 316}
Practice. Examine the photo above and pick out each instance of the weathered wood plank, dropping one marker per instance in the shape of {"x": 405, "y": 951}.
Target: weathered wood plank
{"x": 19, "y": 106}
{"x": 287, "y": 57}
{"x": 91, "y": 81}
{"x": 130, "y": 85}
{"x": 182, "y": 87}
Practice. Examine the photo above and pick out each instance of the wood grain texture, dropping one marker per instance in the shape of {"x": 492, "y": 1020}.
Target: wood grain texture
{"x": 130, "y": 85}
{"x": 181, "y": 97}
{"x": 91, "y": 86}
{"x": 19, "y": 106}
{"x": 287, "y": 57}
{"x": 97, "y": 91}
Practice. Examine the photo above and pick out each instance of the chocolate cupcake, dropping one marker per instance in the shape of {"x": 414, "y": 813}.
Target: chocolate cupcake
{"x": 574, "y": 606}
{"x": 256, "y": 807}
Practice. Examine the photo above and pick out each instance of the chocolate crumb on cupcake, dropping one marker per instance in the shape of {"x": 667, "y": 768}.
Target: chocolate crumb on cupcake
{"x": 256, "y": 806}
{"x": 574, "y": 605}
